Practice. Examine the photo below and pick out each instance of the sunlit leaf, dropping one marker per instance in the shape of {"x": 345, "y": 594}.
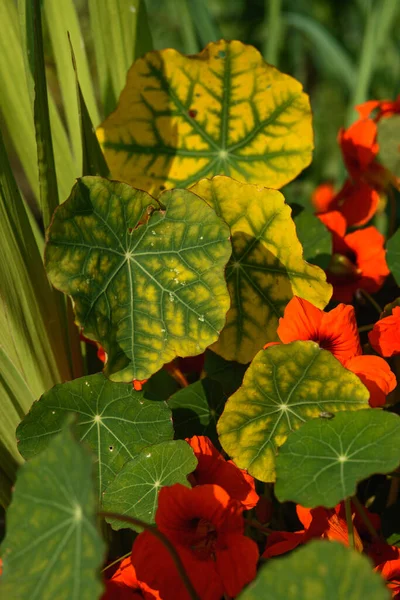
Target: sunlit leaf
{"x": 320, "y": 570}
{"x": 285, "y": 386}
{"x": 223, "y": 111}
{"x": 113, "y": 419}
{"x": 196, "y": 408}
{"x": 321, "y": 464}
{"x": 393, "y": 255}
{"x": 266, "y": 268}
{"x": 134, "y": 492}
{"x": 52, "y": 548}
{"x": 147, "y": 280}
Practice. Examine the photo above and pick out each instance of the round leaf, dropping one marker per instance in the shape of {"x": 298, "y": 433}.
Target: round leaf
{"x": 196, "y": 408}
{"x": 223, "y": 111}
{"x": 134, "y": 491}
{"x": 388, "y": 140}
{"x": 393, "y": 255}
{"x": 113, "y": 419}
{"x": 315, "y": 239}
{"x": 52, "y": 548}
{"x": 321, "y": 570}
{"x": 147, "y": 288}
{"x": 321, "y": 464}
{"x": 285, "y": 386}
{"x": 266, "y": 268}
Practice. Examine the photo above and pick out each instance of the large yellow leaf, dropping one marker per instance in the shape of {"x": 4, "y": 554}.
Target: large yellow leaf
{"x": 223, "y": 111}
{"x": 266, "y": 268}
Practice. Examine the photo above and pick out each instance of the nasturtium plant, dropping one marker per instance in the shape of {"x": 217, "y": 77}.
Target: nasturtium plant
{"x": 146, "y": 276}
{"x": 322, "y": 462}
{"x": 393, "y": 255}
{"x": 388, "y": 140}
{"x": 323, "y": 570}
{"x": 59, "y": 551}
{"x": 285, "y": 386}
{"x": 113, "y": 419}
{"x": 134, "y": 491}
{"x": 223, "y": 111}
{"x": 315, "y": 239}
{"x": 266, "y": 268}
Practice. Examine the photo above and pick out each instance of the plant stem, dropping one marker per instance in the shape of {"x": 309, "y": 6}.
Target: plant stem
{"x": 366, "y": 327}
{"x": 257, "y": 525}
{"x": 363, "y": 515}
{"x": 273, "y": 26}
{"x": 187, "y": 30}
{"x": 371, "y": 301}
{"x": 165, "y": 541}
{"x": 394, "y": 490}
{"x": 349, "y": 521}
{"x": 116, "y": 561}
{"x": 393, "y": 212}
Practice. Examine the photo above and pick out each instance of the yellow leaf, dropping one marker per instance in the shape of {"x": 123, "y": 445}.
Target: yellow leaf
{"x": 223, "y": 111}
{"x": 266, "y": 268}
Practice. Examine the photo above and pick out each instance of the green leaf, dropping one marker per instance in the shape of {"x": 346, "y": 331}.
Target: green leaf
{"x": 113, "y": 419}
{"x": 204, "y": 22}
{"x": 120, "y": 34}
{"x": 93, "y": 161}
{"x": 197, "y": 408}
{"x": 388, "y": 140}
{"x": 147, "y": 288}
{"x": 134, "y": 491}
{"x": 285, "y": 386}
{"x": 315, "y": 239}
{"x": 320, "y": 570}
{"x": 32, "y": 22}
{"x": 223, "y": 111}
{"x": 228, "y": 373}
{"x": 393, "y": 255}
{"x": 327, "y": 52}
{"x": 321, "y": 464}
{"x": 390, "y": 522}
{"x": 160, "y": 386}
{"x": 52, "y": 547}
{"x": 266, "y": 268}
{"x": 62, "y": 21}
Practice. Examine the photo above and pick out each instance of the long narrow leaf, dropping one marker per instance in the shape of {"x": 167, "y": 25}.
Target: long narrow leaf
{"x": 205, "y": 24}
{"x": 327, "y": 51}
{"x": 62, "y": 20}
{"x": 93, "y": 161}
{"x": 120, "y": 34}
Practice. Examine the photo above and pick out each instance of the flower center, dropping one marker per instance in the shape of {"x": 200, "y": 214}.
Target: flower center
{"x": 204, "y": 539}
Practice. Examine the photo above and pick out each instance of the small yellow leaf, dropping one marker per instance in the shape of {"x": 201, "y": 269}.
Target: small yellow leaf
{"x": 223, "y": 111}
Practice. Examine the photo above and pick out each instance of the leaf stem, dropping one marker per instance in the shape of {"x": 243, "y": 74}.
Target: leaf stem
{"x": 366, "y": 327}
{"x": 117, "y": 561}
{"x": 363, "y": 515}
{"x": 164, "y": 540}
{"x": 393, "y": 212}
{"x": 256, "y": 525}
{"x": 370, "y": 299}
{"x": 349, "y": 521}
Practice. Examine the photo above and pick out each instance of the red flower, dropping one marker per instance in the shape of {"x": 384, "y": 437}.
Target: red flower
{"x": 206, "y": 527}
{"x": 359, "y": 147}
{"x": 213, "y": 468}
{"x": 385, "y": 336}
{"x": 358, "y": 260}
{"x": 124, "y": 585}
{"x": 387, "y": 562}
{"x": 318, "y": 523}
{"x": 336, "y": 331}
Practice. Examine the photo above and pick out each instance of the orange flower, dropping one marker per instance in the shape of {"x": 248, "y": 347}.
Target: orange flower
{"x": 213, "y": 468}
{"x": 385, "y": 336}
{"x": 356, "y": 201}
{"x": 318, "y": 523}
{"x": 358, "y": 260}
{"x": 206, "y": 527}
{"x": 124, "y": 585}
{"x": 337, "y": 332}
{"x": 359, "y": 147}
{"x": 383, "y": 108}
{"x": 387, "y": 562}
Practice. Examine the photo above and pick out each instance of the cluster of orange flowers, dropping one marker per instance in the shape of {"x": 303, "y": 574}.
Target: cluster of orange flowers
{"x": 358, "y": 260}
{"x": 205, "y": 522}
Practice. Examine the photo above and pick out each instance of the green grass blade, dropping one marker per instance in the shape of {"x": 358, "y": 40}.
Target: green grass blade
{"x": 93, "y": 161}
{"x": 273, "y": 25}
{"x": 62, "y": 20}
{"x": 331, "y": 56}
{"x": 204, "y": 22}
{"x": 120, "y": 33}
{"x": 188, "y": 33}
